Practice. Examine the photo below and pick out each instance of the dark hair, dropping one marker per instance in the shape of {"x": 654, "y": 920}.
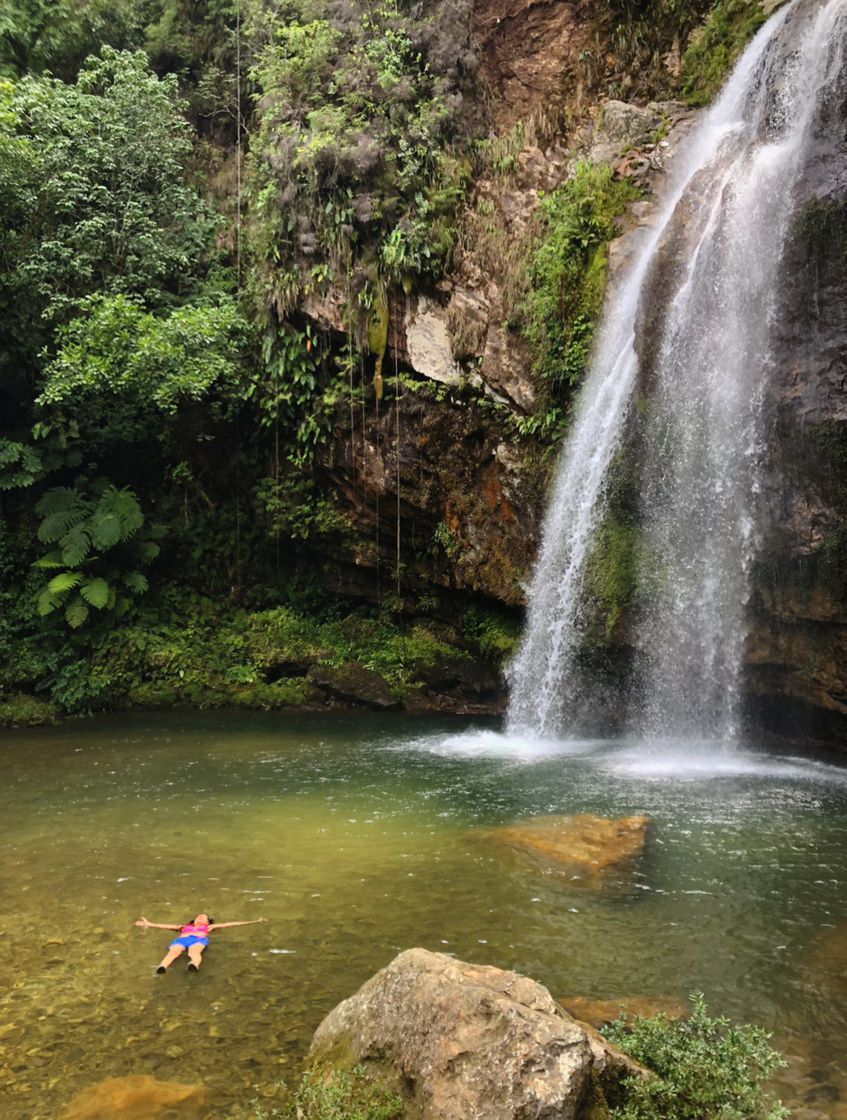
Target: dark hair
{"x": 190, "y": 921}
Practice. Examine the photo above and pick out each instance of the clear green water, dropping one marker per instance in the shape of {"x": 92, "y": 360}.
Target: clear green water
{"x": 360, "y": 836}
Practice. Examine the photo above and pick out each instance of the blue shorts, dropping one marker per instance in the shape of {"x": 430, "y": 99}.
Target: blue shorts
{"x": 189, "y": 940}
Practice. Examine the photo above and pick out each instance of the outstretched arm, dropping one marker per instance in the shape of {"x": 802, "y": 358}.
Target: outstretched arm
{"x": 228, "y": 925}
{"x": 154, "y": 925}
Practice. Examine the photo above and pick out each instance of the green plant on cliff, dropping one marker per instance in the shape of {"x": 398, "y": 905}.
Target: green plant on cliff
{"x": 705, "y": 1068}
{"x": 351, "y": 160}
{"x": 714, "y": 47}
{"x": 568, "y": 273}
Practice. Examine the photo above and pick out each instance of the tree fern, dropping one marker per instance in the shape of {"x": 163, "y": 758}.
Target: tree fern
{"x": 53, "y": 559}
{"x": 76, "y": 544}
{"x": 76, "y": 612}
{"x": 96, "y": 592}
{"x": 57, "y": 524}
{"x": 64, "y": 581}
{"x": 86, "y": 524}
{"x": 136, "y": 582}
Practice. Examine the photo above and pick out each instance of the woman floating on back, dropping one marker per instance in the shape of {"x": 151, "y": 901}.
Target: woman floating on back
{"x": 193, "y": 937}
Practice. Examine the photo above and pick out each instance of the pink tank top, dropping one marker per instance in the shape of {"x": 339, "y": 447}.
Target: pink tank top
{"x": 196, "y": 931}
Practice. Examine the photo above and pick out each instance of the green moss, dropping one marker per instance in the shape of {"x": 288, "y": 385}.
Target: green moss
{"x": 568, "y": 270}
{"x": 714, "y": 48}
{"x": 613, "y": 570}
{"x": 594, "y": 1105}
{"x": 360, "y": 1093}
{"x": 19, "y": 710}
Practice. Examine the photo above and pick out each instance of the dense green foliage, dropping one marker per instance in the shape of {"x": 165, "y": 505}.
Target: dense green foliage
{"x": 179, "y": 183}
{"x": 568, "y": 274}
{"x": 352, "y": 176}
{"x": 705, "y": 1067}
{"x": 716, "y": 46}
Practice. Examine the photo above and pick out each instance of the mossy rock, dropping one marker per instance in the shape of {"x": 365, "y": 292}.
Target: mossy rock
{"x": 17, "y": 709}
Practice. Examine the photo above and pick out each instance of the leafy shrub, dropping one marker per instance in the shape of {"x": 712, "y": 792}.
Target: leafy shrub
{"x": 705, "y": 1067}
{"x": 120, "y": 371}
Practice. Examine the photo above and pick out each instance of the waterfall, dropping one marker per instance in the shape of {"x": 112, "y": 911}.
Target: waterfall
{"x": 690, "y": 324}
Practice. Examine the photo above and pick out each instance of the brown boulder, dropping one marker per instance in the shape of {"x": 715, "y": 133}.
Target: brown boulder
{"x": 138, "y": 1097}
{"x": 467, "y": 1040}
{"x": 584, "y": 842}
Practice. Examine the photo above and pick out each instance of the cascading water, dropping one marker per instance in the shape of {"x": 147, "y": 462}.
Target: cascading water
{"x": 691, "y": 323}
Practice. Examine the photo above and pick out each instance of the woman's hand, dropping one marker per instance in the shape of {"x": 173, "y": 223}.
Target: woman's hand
{"x": 143, "y": 923}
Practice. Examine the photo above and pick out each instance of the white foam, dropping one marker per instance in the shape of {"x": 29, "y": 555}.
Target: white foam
{"x": 494, "y": 744}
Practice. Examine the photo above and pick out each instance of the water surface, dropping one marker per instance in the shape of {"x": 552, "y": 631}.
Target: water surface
{"x": 357, "y": 837}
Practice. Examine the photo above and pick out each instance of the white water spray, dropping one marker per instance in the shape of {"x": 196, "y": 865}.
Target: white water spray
{"x": 731, "y": 190}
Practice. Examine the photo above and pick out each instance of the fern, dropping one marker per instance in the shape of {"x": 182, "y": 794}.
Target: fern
{"x": 105, "y": 530}
{"x": 146, "y": 551}
{"x": 75, "y": 545}
{"x": 65, "y": 581}
{"x": 136, "y": 582}
{"x": 19, "y": 465}
{"x": 104, "y": 518}
{"x": 47, "y": 602}
{"x": 117, "y": 517}
{"x": 51, "y": 560}
{"x": 76, "y": 612}
{"x": 96, "y": 593}
{"x": 56, "y": 500}
{"x": 56, "y": 525}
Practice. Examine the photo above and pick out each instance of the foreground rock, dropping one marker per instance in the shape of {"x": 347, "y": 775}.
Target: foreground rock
{"x": 138, "y": 1097}
{"x": 466, "y": 1041}
{"x": 592, "y": 845}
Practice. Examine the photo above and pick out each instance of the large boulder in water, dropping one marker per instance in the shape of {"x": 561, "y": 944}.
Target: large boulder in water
{"x": 138, "y": 1097}
{"x": 470, "y": 1041}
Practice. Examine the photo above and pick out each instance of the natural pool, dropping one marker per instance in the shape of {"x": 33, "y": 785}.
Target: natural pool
{"x": 358, "y": 836}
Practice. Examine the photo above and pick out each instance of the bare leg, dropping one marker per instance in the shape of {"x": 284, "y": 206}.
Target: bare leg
{"x": 195, "y": 956}
{"x": 169, "y": 957}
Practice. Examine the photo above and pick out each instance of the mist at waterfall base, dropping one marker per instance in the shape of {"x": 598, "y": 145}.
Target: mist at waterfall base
{"x": 687, "y": 334}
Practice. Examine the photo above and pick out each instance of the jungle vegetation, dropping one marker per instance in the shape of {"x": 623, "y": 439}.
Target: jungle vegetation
{"x": 176, "y": 180}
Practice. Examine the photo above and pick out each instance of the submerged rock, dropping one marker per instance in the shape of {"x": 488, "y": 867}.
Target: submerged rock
{"x": 466, "y": 1040}
{"x": 138, "y": 1097}
{"x": 593, "y": 844}
{"x": 599, "y": 1012}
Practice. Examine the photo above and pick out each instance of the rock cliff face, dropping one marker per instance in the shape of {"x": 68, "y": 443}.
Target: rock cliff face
{"x": 797, "y": 651}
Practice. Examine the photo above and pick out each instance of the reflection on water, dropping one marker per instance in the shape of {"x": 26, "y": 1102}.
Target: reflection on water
{"x": 357, "y": 837}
